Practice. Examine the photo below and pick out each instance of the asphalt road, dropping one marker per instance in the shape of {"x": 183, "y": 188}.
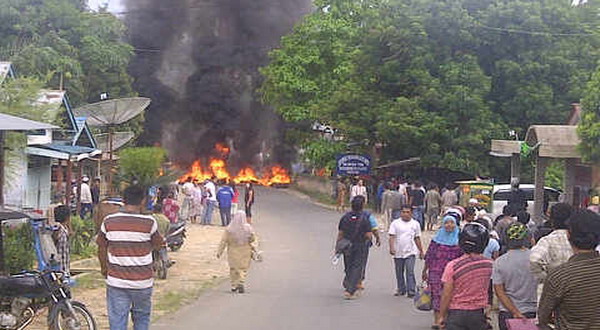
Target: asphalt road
{"x": 297, "y": 287}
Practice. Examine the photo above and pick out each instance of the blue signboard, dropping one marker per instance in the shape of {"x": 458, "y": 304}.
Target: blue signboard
{"x": 353, "y": 164}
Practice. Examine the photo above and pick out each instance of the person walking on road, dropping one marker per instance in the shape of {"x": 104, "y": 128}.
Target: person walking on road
{"x": 341, "y": 195}
{"x": 417, "y": 202}
{"x": 449, "y": 198}
{"x": 225, "y": 196}
{"x": 211, "y": 201}
{"x": 405, "y": 245}
{"x": 514, "y": 284}
{"x": 466, "y": 281}
{"x": 240, "y": 241}
{"x": 125, "y": 244}
{"x": 570, "y": 295}
{"x": 249, "y": 198}
{"x": 554, "y": 249}
{"x": 355, "y": 233}
{"x": 359, "y": 189}
{"x": 87, "y": 205}
{"x": 442, "y": 249}
{"x": 433, "y": 204}
{"x": 391, "y": 200}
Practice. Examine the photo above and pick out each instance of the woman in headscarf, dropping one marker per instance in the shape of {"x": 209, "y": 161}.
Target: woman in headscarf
{"x": 442, "y": 249}
{"x": 240, "y": 240}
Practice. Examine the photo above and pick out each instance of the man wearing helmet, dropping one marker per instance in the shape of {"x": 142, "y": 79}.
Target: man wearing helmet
{"x": 466, "y": 281}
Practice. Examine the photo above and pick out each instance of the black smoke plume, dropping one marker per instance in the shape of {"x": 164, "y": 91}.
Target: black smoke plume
{"x": 198, "y": 60}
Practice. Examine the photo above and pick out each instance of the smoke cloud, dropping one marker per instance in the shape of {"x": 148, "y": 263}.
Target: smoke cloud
{"x": 198, "y": 60}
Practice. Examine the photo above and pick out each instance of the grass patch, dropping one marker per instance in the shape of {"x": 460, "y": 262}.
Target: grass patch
{"x": 92, "y": 280}
{"x": 172, "y": 301}
{"x": 316, "y": 195}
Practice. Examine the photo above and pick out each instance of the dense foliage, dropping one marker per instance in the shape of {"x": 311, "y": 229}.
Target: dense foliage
{"x": 63, "y": 44}
{"x": 142, "y": 165}
{"x": 435, "y": 79}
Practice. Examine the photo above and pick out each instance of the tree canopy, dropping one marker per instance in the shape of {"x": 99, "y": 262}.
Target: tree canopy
{"x": 60, "y": 42}
{"x": 434, "y": 79}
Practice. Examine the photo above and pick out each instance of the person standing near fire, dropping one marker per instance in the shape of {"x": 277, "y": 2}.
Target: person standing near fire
{"x": 249, "y": 201}
{"x": 211, "y": 200}
{"x": 225, "y": 196}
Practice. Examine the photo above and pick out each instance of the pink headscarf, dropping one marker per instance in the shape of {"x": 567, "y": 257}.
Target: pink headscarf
{"x": 240, "y": 229}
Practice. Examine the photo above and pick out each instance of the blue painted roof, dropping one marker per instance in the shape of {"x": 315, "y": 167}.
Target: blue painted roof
{"x": 69, "y": 149}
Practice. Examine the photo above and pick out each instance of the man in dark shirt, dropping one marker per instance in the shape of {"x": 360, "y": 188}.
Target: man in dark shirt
{"x": 417, "y": 201}
{"x": 571, "y": 291}
{"x": 355, "y": 227}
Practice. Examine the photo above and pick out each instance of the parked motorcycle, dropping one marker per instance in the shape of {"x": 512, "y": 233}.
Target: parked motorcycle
{"x": 176, "y": 235}
{"x": 23, "y": 294}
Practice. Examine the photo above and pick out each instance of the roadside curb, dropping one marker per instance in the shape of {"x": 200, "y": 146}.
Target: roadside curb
{"x": 297, "y": 193}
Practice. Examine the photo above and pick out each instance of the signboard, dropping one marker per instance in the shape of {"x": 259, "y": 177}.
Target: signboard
{"x": 353, "y": 164}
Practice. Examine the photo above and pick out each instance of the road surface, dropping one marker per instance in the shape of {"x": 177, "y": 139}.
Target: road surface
{"x": 297, "y": 287}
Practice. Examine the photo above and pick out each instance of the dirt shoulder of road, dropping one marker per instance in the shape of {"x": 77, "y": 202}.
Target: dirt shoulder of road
{"x": 196, "y": 270}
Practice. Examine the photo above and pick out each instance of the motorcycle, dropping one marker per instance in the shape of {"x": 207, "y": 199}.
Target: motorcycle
{"x": 24, "y": 294}
{"x": 176, "y": 235}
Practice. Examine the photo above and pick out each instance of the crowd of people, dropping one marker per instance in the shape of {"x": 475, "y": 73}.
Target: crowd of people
{"x": 473, "y": 257}
{"x": 195, "y": 201}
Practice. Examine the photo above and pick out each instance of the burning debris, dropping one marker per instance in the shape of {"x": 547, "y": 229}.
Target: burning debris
{"x": 272, "y": 176}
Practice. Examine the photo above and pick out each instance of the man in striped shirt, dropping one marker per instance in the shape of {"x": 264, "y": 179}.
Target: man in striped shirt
{"x": 571, "y": 291}
{"x": 125, "y": 243}
{"x": 466, "y": 281}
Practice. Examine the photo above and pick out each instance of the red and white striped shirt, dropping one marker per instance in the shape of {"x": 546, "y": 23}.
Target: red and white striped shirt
{"x": 470, "y": 275}
{"x": 129, "y": 240}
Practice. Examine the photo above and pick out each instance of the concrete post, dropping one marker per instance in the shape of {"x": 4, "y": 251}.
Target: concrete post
{"x": 515, "y": 166}
{"x": 569, "y": 179}
{"x": 541, "y": 163}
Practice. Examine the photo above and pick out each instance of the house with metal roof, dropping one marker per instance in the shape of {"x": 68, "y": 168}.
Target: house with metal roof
{"x": 42, "y": 173}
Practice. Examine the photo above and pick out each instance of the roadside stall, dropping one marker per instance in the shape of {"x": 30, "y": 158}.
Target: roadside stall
{"x": 482, "y": 190}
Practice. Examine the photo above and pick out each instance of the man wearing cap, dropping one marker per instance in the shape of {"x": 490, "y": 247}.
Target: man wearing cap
{"x": 514, "y": 284}
{"x": 85, "y": 197}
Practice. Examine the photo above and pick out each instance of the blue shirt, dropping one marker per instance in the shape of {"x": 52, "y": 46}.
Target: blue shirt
{"x": 225, "y": 196}
{"x": 493, "y": 246}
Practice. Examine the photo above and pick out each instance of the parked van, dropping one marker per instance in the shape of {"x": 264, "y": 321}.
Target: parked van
{"x": 502, "y": 195}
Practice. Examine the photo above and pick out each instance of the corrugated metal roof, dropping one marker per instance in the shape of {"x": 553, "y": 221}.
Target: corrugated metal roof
{"x": 12, "y": 123}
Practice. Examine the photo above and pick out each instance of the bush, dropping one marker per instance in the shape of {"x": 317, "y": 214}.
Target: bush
{"x": 82, "y": 236}
{"x": 19, "y": 253}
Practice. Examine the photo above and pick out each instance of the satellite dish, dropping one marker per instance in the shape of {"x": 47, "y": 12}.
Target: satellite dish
{"x": 112, "y": 112}
{"x": 119, "y": 140}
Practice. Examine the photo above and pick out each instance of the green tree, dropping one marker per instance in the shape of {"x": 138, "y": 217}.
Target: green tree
{"x": 435, "y": 79}
{"x": 58, "y": 41}
{"x": 142, "y": 165}
{"x": 589, "y": 128}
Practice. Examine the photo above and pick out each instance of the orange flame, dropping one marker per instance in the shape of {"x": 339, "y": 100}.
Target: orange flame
{"x": 223, "y": 150}
{"x": 218, "y": 168}
{"x": 278, "y": 175}
{"x": 246, "y": 175}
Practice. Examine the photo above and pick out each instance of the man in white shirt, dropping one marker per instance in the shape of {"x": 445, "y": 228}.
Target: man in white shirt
{"x": 359, "y": 189}
{"x": 85, "y": 197}
{"x": 405, "y": 244}
{"x": 211, "y": 200}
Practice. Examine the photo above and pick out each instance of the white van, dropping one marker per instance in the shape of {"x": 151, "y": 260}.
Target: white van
{"x": 502, "y": 194}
